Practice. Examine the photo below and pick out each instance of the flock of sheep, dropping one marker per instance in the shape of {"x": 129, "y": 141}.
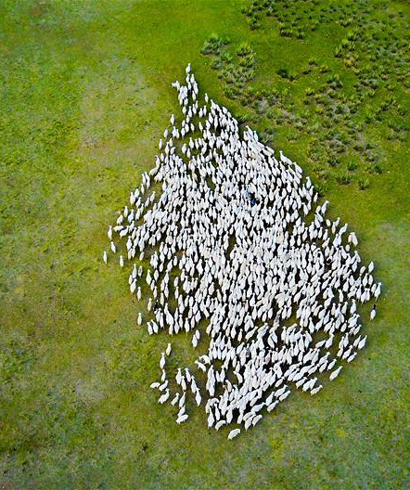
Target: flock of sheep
{"x": 244, "y": 259}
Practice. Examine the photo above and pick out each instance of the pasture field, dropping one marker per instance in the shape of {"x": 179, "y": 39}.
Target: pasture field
{"x": 85, "y": 93}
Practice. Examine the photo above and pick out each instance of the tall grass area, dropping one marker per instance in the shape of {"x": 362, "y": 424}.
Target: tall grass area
{"x": 85, "y": 95}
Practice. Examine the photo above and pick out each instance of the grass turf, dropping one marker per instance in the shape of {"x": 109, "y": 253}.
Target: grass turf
{"x": 85, "y": 94}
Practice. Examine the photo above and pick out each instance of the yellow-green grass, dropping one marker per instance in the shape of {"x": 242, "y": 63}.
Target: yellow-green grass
{"x": 85, "y": 95}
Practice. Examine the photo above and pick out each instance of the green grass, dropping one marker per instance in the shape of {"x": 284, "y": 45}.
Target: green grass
{"x": 84, "y": 95}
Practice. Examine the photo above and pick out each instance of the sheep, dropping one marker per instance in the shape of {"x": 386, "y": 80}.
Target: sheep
{"x": 246, "y": 261}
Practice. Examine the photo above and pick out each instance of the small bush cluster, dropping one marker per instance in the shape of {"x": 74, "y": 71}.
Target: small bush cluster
{"x": 336, "y": 123}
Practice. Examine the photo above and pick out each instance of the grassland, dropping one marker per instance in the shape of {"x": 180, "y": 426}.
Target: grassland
{"x": 84, "y": 96}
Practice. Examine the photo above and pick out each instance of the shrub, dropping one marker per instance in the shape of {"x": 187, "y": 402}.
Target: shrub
{"x": 352, "y": 35}
{"x": 247, "y": 61}
{"x": 216, "y": 64}
{"x": 213, "y": 44}
{"x": 285, "y": 73}
{"x": 230, "y": 93}
{"x": 292, "y": 76}
{"x": 333, "y": 161}
{"x": 374, "y": 169}
{"x": 334, "y": 81}
{"x": 343, "y": 179}
{"x": 324, "y": 68}
{"x": 363, "y": 184}
{"x": 226, "y": 57}
{"x": 247, "y": 11}
{"x": 244, "y": 49}
{"x": 254, "y": 23}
